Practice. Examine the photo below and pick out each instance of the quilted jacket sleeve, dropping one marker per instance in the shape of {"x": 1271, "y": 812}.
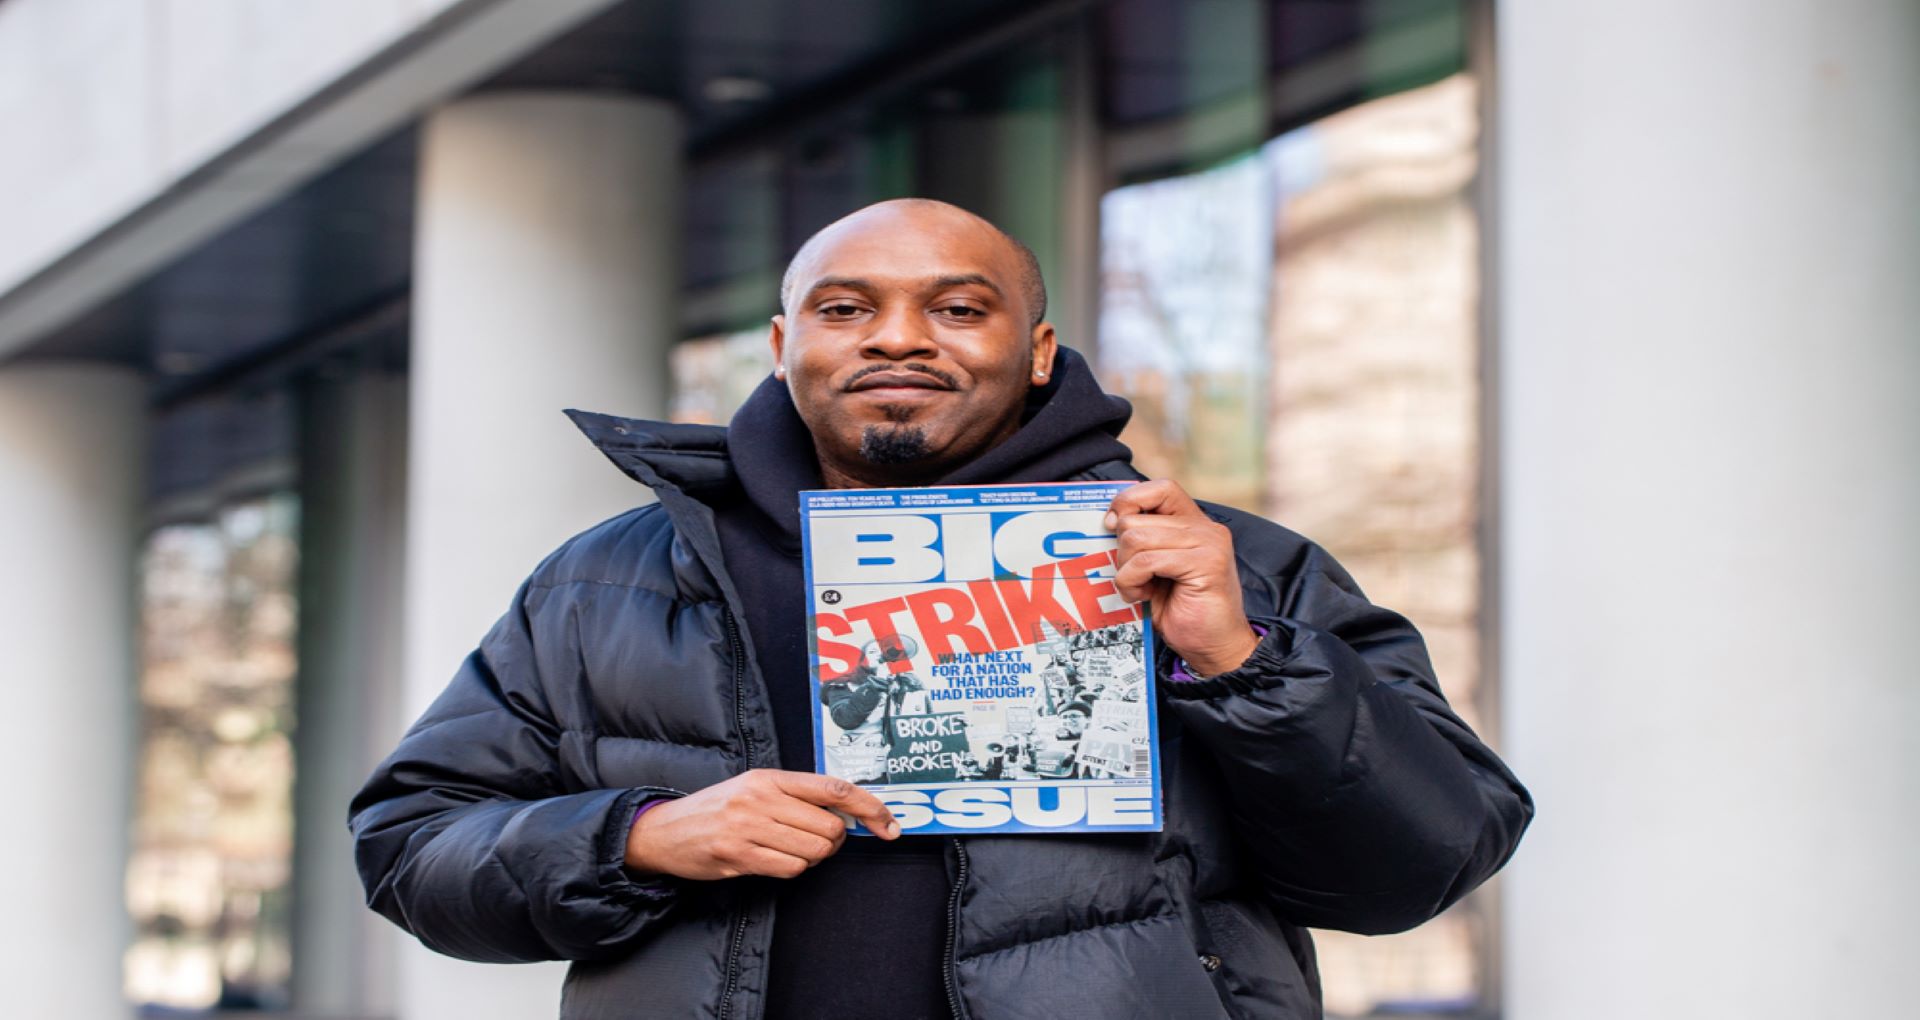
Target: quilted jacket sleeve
{"x": 1362, "y": 801}
{"x": 467, "y": 837}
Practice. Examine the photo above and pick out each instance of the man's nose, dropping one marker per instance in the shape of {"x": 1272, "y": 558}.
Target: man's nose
{"x": 898, "y": 334}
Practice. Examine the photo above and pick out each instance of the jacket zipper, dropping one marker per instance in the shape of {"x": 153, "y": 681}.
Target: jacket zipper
{"x": 739, "y": 684}
{"x": 746, "y": 752}
{"x": 951, "y": 973}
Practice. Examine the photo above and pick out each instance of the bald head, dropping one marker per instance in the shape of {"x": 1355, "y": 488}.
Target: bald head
{"x": 918, "y": 214}
{"x": 910, "y": 341}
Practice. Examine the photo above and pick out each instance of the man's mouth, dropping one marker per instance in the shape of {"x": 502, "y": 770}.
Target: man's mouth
{"x": 878, "y": 378}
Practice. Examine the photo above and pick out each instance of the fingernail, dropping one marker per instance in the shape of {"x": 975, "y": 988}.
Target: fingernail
{"x": 1112, "y": 519}
{"x": 893, "y": 829}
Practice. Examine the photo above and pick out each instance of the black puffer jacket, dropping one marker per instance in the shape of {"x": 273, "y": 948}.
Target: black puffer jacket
{"x": 1325, "y": 783}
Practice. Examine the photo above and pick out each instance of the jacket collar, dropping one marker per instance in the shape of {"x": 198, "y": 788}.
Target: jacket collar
{"x": 661, "y": 455}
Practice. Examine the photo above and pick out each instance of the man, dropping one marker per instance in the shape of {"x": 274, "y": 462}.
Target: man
{"x": 620, "y": 774}
{"x": 1061, "y": 754}
{"x": 862, "y": 702}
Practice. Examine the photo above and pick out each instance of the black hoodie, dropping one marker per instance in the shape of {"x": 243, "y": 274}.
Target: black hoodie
{"x": 862, "y": 934}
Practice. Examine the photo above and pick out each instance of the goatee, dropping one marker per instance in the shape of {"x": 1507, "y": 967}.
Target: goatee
{"x": 893, "y": 444}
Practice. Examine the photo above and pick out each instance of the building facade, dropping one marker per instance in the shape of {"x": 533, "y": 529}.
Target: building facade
{"x": 1580, "y": 335}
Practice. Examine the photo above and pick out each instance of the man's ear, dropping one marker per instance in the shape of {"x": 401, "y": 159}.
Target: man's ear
{"x": 777, "y": 339}
{"x": 1044, "y": 346}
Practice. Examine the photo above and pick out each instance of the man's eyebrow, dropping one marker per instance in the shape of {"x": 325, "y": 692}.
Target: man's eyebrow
{"x": 966, "y": 279}
{"x": 849, "y": 282}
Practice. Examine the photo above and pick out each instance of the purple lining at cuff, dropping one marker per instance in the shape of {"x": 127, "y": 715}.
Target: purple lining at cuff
{"x": 1181, "y": 674}
{"x": 651, "y": 882}
{"x": 646, "y": 806}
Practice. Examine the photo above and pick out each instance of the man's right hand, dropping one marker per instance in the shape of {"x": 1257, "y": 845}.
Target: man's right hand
{"x": 763, "y": 822}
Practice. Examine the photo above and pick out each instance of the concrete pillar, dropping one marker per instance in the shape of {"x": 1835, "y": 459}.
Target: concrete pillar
{"x": 72, "y": 453}
{"x": 353, "y": 478}
{"x": 1709, "y": 231}
{"x": 546, "y": 274}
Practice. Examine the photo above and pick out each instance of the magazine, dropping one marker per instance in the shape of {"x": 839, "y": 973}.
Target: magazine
{"x": 973, "y": 664}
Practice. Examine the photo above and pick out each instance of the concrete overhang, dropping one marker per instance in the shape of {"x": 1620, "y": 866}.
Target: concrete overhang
{"x": 445, "y": 55}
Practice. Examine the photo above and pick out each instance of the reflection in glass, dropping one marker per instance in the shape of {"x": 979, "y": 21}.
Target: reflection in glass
{"x": 207, "y": 884}
{"x": 1184, "y": 270}
{"x": 714, "y": 375}
{"x": 1297, "y": 329}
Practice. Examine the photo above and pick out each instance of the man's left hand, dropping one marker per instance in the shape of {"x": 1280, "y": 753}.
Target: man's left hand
{"x": 1180, "y": 562}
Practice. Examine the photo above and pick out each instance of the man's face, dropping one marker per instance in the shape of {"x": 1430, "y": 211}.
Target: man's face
{"x": 1074, "y": 721}
{"x": 907, "y": 347}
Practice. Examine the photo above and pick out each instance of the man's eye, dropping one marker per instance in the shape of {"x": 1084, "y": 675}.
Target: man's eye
{"x": 962, "y": 312}
{"x": 840, "y": 309}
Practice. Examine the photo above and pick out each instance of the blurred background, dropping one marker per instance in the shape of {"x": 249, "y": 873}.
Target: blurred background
{"x": 1583, "y": 334}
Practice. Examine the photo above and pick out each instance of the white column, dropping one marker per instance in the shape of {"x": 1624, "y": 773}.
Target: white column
{"x": 546, "y": 275}
{"x": 72, "y": 449}
{"x": 1709, "y": 226}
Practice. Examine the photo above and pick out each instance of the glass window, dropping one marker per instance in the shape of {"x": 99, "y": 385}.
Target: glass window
{"x": 1373, "y": 444}
{"x": 1186, "y": 265}
{"x": 1289, "y": 284}
{"x": 714, "y": 375}
{"x": 208, "y": 883}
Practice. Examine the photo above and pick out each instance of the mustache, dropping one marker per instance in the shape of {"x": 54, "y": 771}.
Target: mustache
{"x": 907, "y": 366}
